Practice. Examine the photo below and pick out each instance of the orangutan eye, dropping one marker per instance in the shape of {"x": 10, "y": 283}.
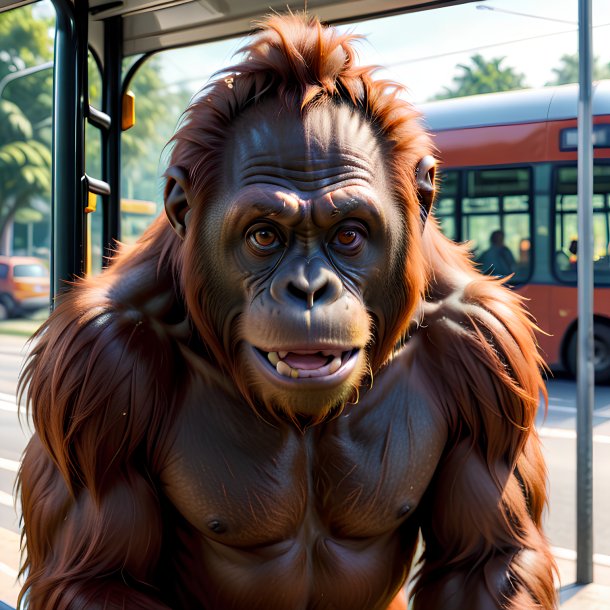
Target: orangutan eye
{"x": 263, "y": 238}
{"x": 349, "y": 239}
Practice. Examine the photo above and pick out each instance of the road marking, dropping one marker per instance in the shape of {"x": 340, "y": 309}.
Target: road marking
{"x": 8, "y": 571}
{"x": 11, "y": 465}
{"x": 570, "y": 554}
{"x": 570, "y": 434}
{"x": 6, "y": 499}
{"x": 574, "y": 410}
{"x": 9, "y": 405}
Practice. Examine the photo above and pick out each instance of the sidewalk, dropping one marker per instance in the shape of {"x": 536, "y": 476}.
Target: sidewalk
{"x": 595, "y": 596}
{"x": 21, "y": 327}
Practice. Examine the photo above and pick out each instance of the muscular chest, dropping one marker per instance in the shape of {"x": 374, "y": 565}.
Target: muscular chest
{"x": 245, "y": 482}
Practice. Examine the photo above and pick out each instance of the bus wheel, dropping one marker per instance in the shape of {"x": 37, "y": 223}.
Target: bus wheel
{"x": 601, "y": 353}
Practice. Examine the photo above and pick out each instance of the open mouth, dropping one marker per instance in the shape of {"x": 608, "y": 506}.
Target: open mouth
{"x": 308, "y": 364}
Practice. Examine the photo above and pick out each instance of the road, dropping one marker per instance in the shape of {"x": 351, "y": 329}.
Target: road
{"x": 557, "y": 432}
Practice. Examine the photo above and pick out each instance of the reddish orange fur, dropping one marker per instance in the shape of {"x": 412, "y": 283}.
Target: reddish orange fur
{"x": 101, "y": 398}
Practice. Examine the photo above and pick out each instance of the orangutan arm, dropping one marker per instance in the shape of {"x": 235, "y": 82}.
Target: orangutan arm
{"x": 484, "y": 549}
{"x": 92, "y": 518}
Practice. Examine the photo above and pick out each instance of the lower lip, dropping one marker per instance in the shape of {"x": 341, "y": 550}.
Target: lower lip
{"x": 336, "y": 378}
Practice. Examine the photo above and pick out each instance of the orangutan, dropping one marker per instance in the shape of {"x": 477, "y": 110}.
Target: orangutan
{"x": 292, "y": 377}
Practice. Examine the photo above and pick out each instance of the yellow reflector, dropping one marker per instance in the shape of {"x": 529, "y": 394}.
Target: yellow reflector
{"x": 128, "y": 120}
{"x": 91, "y": 203}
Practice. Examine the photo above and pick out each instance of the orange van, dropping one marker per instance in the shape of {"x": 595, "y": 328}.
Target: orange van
{"x": 24, "y": 285}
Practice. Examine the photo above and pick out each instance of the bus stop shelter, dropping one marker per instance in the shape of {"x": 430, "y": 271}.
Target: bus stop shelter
{"x": 113, "y": 30}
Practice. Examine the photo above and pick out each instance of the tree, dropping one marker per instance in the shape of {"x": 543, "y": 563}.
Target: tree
{"x": 25, "y": 113}
{"x": 25, "y": 164}
{"x": 157, "y": 112}
{"x": 482, "y": 76}
{"x": 567, "y": 72}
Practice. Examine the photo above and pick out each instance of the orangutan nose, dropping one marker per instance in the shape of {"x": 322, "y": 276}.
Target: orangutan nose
{"x": 309, "y": 282}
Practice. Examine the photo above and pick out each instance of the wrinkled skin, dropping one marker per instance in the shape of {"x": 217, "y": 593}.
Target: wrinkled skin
{"x": 300, "y": 473}
{"x": 308, "y": 225}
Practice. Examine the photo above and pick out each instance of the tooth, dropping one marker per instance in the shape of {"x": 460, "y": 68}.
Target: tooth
{"x": 273, "y": 358}
{"x": 282, "y": 354}
{"x": 283, "y": 369}
{"x": 334, "y": 366}
{"x": 294, "y": 373}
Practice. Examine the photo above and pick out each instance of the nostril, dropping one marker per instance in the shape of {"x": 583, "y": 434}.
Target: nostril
{"x": 301, "y": 295}
{"x": 308, "y": 296}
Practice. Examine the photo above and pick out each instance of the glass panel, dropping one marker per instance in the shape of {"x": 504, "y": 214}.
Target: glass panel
{"x": 517, "y": 239}
{"x": 475, "y": 229}
{"x": 566, "y": 180}
{"x": 446, "y": 198}
{"x": 566, "y": 229}
{"x": 566, "y": 202}
{"x": 26, "y": 110}
{"x": 444, "y": 206}
{"x": 448, "y": 227}
{"x": 566, "y": 246}
{"x": 480, "y": 204}
{"x": 163, "y": 86}
{"x": 32, "y": 270}
{"x": 601, "y": 178}
{"x": 511, "y": 181}
{"x": 516, "y": 203}
{"x": 601, "y": 247}
{"x": 93, "y": 167}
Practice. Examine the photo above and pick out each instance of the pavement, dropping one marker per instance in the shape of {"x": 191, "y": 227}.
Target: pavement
{"x": 593, "y": 596}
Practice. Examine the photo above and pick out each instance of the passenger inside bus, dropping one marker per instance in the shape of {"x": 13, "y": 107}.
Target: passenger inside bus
{"x": 497, "y": 259}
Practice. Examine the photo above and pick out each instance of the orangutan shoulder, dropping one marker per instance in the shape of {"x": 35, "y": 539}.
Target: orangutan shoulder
{"x": 481, "y": 311}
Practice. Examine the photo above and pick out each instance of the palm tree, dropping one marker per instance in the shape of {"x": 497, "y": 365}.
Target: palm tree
{"x": 482, "y": 76}
{"x": 25, "y": 165}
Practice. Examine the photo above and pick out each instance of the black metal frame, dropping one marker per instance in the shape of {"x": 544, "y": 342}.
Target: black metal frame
{"x": 71, "y": 185}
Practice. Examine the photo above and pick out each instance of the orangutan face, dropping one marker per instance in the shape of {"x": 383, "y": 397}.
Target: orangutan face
{"x": 305, "y": 236}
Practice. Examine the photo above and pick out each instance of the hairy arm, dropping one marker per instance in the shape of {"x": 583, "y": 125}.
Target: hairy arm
{"x": 93, "y": 523}
{"x": 476, "y": 357}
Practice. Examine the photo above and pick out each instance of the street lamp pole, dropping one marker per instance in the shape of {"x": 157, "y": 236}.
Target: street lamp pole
{"x": 585, "y": 374}
{"x": 4, "y": 81}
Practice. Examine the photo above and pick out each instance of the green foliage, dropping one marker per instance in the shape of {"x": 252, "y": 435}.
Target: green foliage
{"x": 482, "y": 76}
{"x": 567, "y": 72}
{"x": 157, "y": 112}
{"x": 26, "y": 40}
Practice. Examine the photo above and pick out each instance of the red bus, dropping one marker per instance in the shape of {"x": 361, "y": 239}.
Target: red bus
{"x": 508, "y": 163}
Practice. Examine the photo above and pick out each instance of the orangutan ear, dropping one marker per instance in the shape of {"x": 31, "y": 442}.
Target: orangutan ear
{"x": 176, "y": 202}
{"x": 426, "y": 187}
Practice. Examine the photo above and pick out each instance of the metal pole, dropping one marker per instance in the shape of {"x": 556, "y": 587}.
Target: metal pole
{"x": 68, "y": 228}
{"x": 21, "y": 73}
{"x": 585, "y": 378}
{"x": 111, "y": 155}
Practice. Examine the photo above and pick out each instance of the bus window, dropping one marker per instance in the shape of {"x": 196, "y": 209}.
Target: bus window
{"x": 136, "y": 215}
{"x": 446, "y": 202}
{"x": 496, "y": 220}
{"x": 93, "y": 167}
{"x": 566, "y": 225}
{"x": 163, "y": 86}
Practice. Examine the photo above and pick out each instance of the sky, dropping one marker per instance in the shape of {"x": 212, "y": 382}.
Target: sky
{"x": 421, "y": 50}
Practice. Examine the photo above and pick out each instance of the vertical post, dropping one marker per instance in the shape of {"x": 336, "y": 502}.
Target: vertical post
{"x": 585, "y": 380}
{"x": 111, "y": 154}
{"x": 68, "y": 195}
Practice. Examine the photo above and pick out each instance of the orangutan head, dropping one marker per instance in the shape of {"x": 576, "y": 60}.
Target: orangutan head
{"x": 293, "y": 187}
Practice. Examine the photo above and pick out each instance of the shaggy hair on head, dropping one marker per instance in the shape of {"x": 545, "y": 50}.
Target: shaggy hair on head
{"x": 299, "y": 63}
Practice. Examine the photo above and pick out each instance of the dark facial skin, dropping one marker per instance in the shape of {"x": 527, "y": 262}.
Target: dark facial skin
{"x": 308, "y": 227}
